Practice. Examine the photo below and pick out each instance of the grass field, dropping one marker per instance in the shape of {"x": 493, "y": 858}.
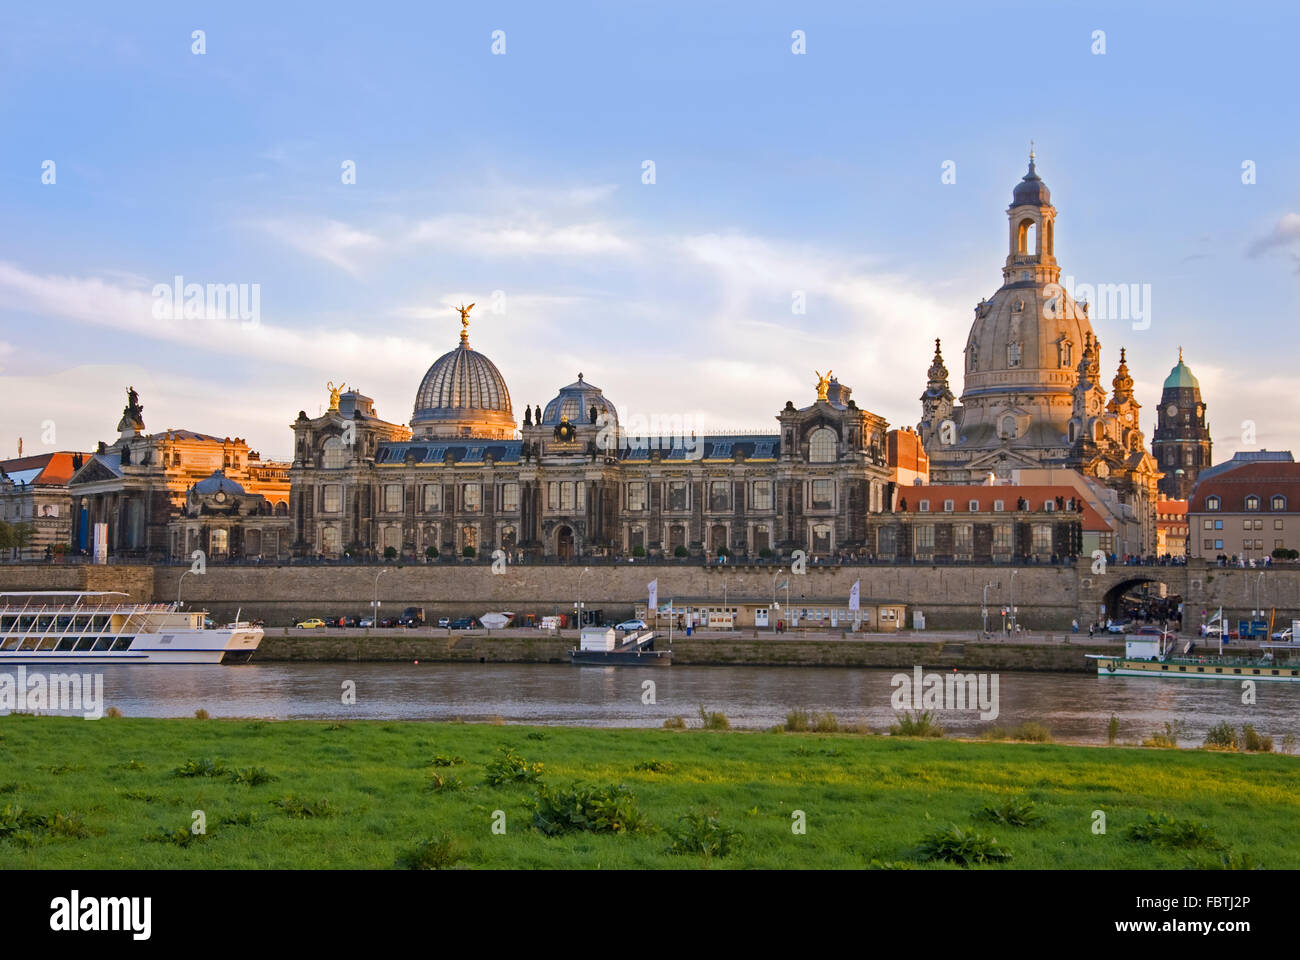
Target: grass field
{"x": 106, "y": 794}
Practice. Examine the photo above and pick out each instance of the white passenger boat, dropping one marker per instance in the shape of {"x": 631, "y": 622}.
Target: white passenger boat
{"x": 101, "y": 626}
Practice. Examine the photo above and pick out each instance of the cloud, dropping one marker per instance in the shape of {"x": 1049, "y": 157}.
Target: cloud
{"x": 330, "y": 240}
{"x": 527, "y": 234}
{"x": 1284, "y": 233}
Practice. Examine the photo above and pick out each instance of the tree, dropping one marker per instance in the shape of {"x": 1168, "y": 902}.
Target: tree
{"x": 468, "y": 552}
{"x": 390, "y": 553}
{"x": 431, "y": 552}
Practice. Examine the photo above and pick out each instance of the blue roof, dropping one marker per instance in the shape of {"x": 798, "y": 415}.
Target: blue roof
{"x": 470, "y": 450}
{"x": 1243, "y": 457}
{"x": 1181, "y": 376}
{"x": 218, "y": 481}
{"x": 721, "y": 447}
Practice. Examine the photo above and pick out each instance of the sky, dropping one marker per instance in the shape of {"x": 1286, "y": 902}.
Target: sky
{"x": 499, "y": 153}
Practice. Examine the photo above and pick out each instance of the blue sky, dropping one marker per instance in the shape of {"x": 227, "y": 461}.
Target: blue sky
{"x": 522, "y": 173}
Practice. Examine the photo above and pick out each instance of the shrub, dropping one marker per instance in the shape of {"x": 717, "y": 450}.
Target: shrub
{"x": 1169, "y": 738}
{"x": 429, "y": 854}
{"x": 443, "y": 761}
{"x": 713, "y": 720}
{"x": 1288, "y": 743}
{"x": 390, "y": 553}
{"x": 431, "y": 553}
{"x": 1221, "y": 735}
{"x": 674, "y": 723}
{"x": 798, "y": 721}
{"x": 16, "y": 825}
{"x": 702, "y": 833}
{"x": 1168, "y": 831}
{"x": 246, "y": 818}
{"x": 181, "y": 836}
{"x": 825, "y": 723}
{"x": 962, "y": 846}
{"x": 765, "y": 553}
{"x": 113, "y": 712}
{"x": 638, "y": 551}
{"x": 200, "y": 714}
{"x": 1016, "y": 812}
{"x": 1032, "y": 732}
{"x": 655, "y": 766}
{"x": 301, "y": 809}
{"x": 252, "y": 776}
{"x": 535, "y": 735}
{"x": 1255, "y": 742}
{"x": 512, "y": 768}
{"x": 468, "y": 552}
{"x": 438, "y": 783}
{"x": 594, "y": 809}
{"x": 1228, "y": 861}
{"x": 206, "y": 767}
{"x": 1112, "y": 729}
{"x": 918, "y": 724}
{"x": 681, "y": 552}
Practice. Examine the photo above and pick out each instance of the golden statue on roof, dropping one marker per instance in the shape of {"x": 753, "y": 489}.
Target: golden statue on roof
{"x": 334, "y": 394}
{"x": 464, "y": 321}
{"x": 823, "y": 384}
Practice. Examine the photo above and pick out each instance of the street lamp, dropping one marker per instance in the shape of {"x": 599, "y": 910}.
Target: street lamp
{"x": 984, "y": 605}
{"x": 374, "y": 604}
{"x": 775, "y": 605}
{"x": 1013, "y": 601}
{"x": 585, "y": 571}
{"x": 178, "y": 586}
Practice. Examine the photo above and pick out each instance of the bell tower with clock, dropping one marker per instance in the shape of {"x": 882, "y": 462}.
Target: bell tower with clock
{"x": 1181, "y": 444}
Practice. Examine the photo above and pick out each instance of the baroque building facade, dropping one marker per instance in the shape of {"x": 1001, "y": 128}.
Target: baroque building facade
{"x": 570, "y": 481}
{"x": 1033, "y": 396}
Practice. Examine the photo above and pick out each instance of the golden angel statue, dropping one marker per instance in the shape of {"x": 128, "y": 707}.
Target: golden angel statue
{"x": 334, "y": 393}
{"x": 823, "y": 384}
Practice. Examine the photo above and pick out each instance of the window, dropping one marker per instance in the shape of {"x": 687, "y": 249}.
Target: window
{"x": 821, "y": 446}
{"x": 1278, "y": 544}
{"x": 1065, "y": 352}
{"x": 509, "y": 497}
{"x": 1218, "y": 524}
{"x": 1049, "y": 506}
{"x": 636, "y": 496}
{"x": 885, "y": 540}
{"x": 334, "y": 454}
{"x": 1212, "y": 503}
{"x": 762, "y": 495}
{"x": 924, "y": 537}
{"x": 1218, "y": 544}
{"x": 332, "y": 501}
{"x": 1259, "y": 524}
{"x": 1042, "y": 538}
{"x": 998, "y": 506}
{"x": 1013, "y": 354}
{"x": 1277, "y": 524}
{"x": 469, "y": 536}
{"x": 553, "y": 495}
{"x": 1279, "y": 502}
{"x": 393, "y": 497}
{"x": 219, "y": 543}
{"x": 678, "y": 495}
{"x": 432, "y": 497}
{"x": 1209, "y": 545}
{"x": 471, "y": 495}
{"x": 1208, "y": 524}
{"x": 1252, "y": 502}
{"x": 923, "y": 506}
{"x": 823, "y": 493}
{"x": 566, "y": 496}
{"x": 948, "y": 506}
{"x": 1245, "y": 524}
{"x": 719, "y": 495}
{"x": 821, "y": 537}
{"x": 973, "y": 506}
{"x": 1002, "y": 537}
{"x": 1009, "y": 427}
{"x": 963, "y": 537}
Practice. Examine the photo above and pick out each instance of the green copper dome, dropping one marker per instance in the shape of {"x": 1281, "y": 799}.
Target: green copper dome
{"x": 1181, "y": 376}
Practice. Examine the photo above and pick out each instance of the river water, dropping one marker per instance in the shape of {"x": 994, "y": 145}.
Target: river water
{"x": 1075, "y": 707}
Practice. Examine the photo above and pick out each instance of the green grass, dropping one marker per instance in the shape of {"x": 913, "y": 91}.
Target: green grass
{"x": 106, "y": 794}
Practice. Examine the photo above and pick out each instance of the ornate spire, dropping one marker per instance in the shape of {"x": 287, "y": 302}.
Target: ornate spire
{"x": 1122, "y": 383}
{"x": 938, "y": 371}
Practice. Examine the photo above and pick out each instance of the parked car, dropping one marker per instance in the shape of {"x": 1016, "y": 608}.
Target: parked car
{"x": 465, "y": 623}
{"x": 366, "y": 622}
{"x": 388, "y": 621}
{"x": 311, "y": 624}
{"x": 444, "y": 621}
{"x": 411, "y": 617}
{"x": 1120, "y": 626}
{"x": 630, "y": 625}
{"x": 1282, "y": 636}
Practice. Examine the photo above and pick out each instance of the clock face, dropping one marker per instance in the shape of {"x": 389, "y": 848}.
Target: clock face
{"x": 1172, "y": 409}
{"x": 1128, "y": 417}
{"x": 221, "y": 496}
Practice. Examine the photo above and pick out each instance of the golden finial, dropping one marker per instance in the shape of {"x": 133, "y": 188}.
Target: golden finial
{"x": 1031, "y": 151}
{"x": 334, "y": 394}
{"x": 464, "y": 322}
{"x": 1180, "y": 354}
{"x": 823, "y": 383}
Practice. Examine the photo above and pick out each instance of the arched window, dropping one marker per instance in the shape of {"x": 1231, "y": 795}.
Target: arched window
{"x": 1009, "y": 427}
{"x": 334, "y": 454}
{"x": 1279, "y": 502}
{"x": 1252, "y": 502}
{"x": 821, "y": 446}
{"x": 1013, "y": 354}
{"x": 1027, "y": 237}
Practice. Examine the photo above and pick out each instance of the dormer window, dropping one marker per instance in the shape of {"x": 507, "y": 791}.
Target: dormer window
{"x": 948, "y": 506}
{"x": 998, "y": 506}
{"x": 1252, "y": 503}
{"x": 1279, "y": 502}
{"x": 1212, "y": 503}
{"x": 924, "y": 506}
{"x": 973, "y": 506}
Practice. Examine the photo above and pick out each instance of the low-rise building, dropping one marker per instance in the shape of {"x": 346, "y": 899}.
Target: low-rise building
{"x": 1245, "y": 512}
{"x": 1171, "y": 528}
{"x": 35, "y": 502}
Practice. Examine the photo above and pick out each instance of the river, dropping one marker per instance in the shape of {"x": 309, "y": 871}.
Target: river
{"x": 1075, "y": 707}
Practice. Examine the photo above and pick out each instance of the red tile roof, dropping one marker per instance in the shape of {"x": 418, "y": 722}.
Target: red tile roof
{"x": 984, "y": 495}
{"x": 56, "y": 468}
{"x": 1265, "y": 480}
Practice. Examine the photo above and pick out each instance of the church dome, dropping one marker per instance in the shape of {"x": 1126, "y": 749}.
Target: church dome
{"x": 574, "y": 403}
{"x": 218, "y": 482}
{"x": 1031, "y": 190}
{"x": 463, "y": 395}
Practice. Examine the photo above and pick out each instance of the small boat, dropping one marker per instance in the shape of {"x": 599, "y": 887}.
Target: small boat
{"x": 82, "y": 627}
{"x": 1149, "y": 657}
{"x": 496, "y": 621}
{"x": 597, "y": 648}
